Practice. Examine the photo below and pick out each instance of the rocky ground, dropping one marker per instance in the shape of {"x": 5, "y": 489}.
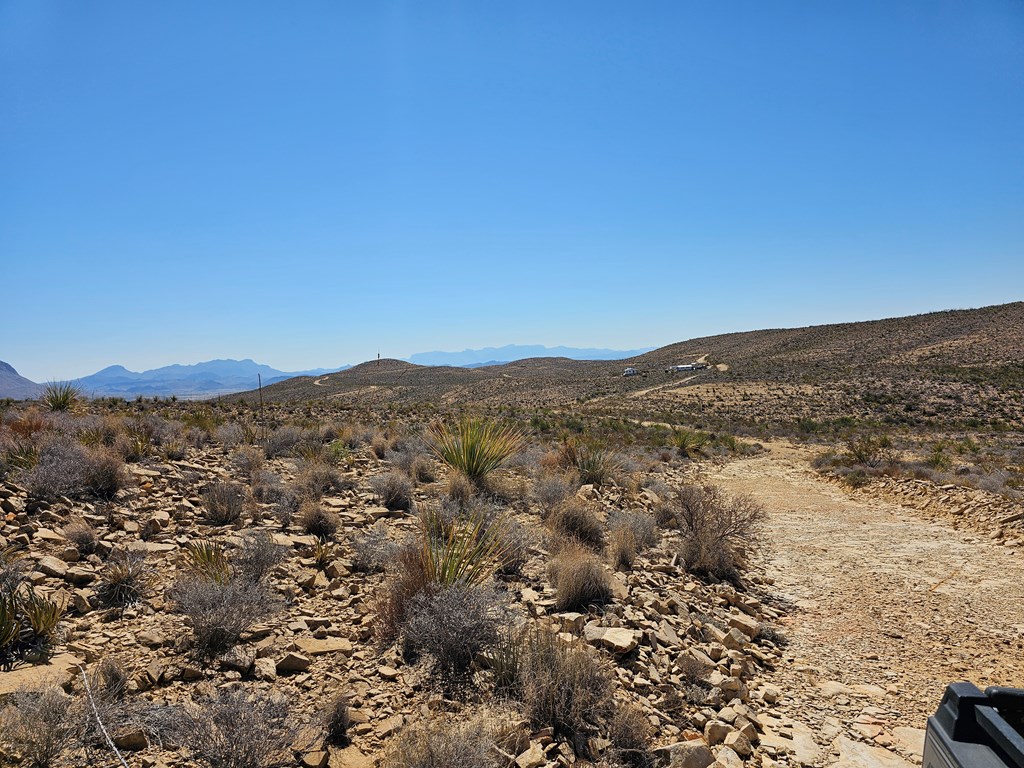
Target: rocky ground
{"x": 881, "y": 605}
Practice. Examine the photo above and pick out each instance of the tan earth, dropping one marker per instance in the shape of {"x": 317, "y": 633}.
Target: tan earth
{"x": 888, "y": 607}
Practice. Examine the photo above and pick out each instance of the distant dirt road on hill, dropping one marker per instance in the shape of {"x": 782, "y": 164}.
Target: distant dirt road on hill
{"x": 888, "y": 607}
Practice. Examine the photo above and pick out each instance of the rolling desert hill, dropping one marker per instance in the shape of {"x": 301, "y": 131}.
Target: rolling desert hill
{"x": 958, "y": 364}
{"x": 16, "y": 386}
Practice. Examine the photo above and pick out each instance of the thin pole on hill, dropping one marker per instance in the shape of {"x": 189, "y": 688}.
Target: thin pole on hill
{"x": 263, "y": 421}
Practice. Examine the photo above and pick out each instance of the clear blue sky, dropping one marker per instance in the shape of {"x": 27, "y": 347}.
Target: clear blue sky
{"x": 306, "y": 183}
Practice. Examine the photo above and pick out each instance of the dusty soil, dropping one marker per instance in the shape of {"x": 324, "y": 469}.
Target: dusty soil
{"x": 887, "y": 607}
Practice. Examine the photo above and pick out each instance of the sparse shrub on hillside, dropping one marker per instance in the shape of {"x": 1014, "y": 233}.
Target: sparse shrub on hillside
{"x": 551, "y": 489}
{"x": 446, "y": 743}
{"x": 124, "y": 580}
{"x": 40, "y": 725}
{"x": 575, "y": 520}
{"x": 580, "y": 580}
{"x": 220, "y": 611}
{"x": 66, "y": 468}
{"x": 452, "y": 625}
{"x": 234, "y": 728}
{"x": 60, "y": 396}
{"x": 393, "y": 490}
{"x": 622, "y": 549}
{"x": 317, "y": 521}
{"x": 475, "y": 447}
{"x": 248, "y": 460}
{"x": 373, "y": 550}
{"x": 315, "y": 480}
{"x": 640, "y": 524}
{"x": 870, "y": 450}
{"x": 379, "y": 446}
{"x": 719, "y": 530}
{"x": 258, "y": 556}
{"x": 282, "y": 440}
{"x": 337, "y": 721}
{"x": 407, "y": 576}
{"x": 224, "y": 502}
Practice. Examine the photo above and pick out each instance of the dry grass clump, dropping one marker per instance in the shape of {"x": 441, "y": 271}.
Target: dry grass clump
{"x": 460, "y": 488}
{"x": 234, "y": 729}
{"x": 575, "y": 520}
{"x": 719, "y": 530}
{"x": 630, "y": 731}
{"x": 282, "y": 440}
{"x": 66, "y": 468}
{"x": 394, "y": 490}
{"x": 315, "y": 480}
{"x": 408, "y": 575}
{"x": 593, "y": 463}
{"x": 82, "y": 536}
{"x": 337, "y": 721}
{"x": 622, "y": 549}
{"x": 224, "y": 502}
{"x": 561, "y": 685}
{"x": 475, "y": 447}
{"x": 580, "y": 580}
{"x": 248, "y": 460}
{"x": 317, "y": 521}
{"x": 446, "y": 743}
{"x": 124, "y": 580}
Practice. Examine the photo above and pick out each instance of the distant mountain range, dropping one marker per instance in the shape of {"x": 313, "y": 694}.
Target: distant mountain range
{"x": 214, "y": 377}
{"x": 16, "y": 386}
{"x": 223, "y": 377}
{"x": 475, "y": 358}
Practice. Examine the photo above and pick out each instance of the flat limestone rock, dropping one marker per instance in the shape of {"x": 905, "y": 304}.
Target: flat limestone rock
{"x": 312, "y": 646}
{"x": 59, "y": 671}
{"x": 853, "y": 754}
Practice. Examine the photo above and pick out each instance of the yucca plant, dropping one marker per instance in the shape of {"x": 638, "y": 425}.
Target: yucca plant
{"x": 470, "y": 554}
{"x": 42, "y": 615}
{"x": 690, "y": 443}
{"x": 475, "y": 447}
{"x": 207, "y": 559}
{"x": 60, "y": 395}
{"x": 594, "y": 464}
{"x": 324, "y": 553}
{"x": 9, "y": 630}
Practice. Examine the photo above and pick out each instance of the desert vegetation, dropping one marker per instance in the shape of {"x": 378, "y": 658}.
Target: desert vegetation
{"x": 258, "y": 586}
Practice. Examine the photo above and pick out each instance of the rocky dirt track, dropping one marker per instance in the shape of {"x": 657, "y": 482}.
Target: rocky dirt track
{"x": 887, "y": 608}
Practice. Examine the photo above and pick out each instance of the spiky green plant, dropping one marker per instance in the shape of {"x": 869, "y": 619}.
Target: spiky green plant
{"x": 9, "y": 629}
{"x": 471, "y": 552}
{"x": 475, "y": 447}
{"x": 690, "y": 443}
{"x": 41, "y": 615}
{"x": 60, "y": 395}
{"x": 324, "y": 553}
{"x": 595, "y": 464}
{"x": 207, "y": 559}
{"x": 125, "y": 580}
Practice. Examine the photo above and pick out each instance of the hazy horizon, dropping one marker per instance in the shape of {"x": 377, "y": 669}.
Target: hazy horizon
{"x": 307, "y": 186}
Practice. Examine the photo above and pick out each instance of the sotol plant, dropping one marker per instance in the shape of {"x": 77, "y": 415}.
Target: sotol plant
{"x": 475, "y": 447}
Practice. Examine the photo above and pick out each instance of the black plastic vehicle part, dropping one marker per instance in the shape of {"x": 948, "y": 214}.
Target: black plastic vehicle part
{"x": 972, "y": 729}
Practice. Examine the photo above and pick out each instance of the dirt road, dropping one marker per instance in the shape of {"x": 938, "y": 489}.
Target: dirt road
{"x": 887, "y": 608}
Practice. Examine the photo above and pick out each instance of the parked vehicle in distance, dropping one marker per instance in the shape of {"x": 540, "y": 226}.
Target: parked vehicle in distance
{"x": 630, "y": 372}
